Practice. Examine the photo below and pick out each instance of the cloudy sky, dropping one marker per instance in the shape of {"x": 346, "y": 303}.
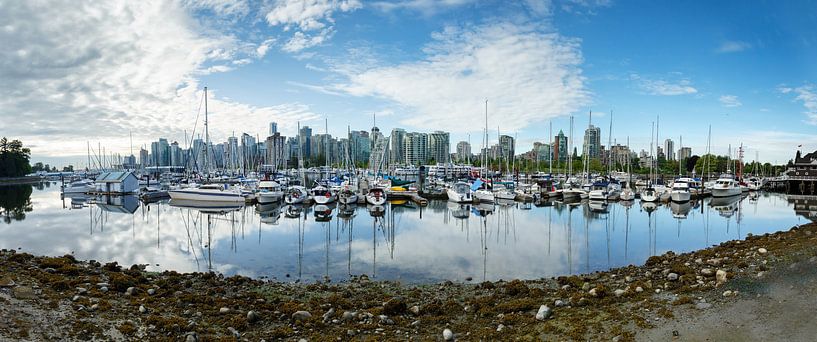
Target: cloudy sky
{"x": 73, "y": 72}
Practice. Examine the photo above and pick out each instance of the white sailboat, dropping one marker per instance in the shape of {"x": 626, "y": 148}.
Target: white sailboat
{"x": 376, "y": 196}
{"x": 295, "y": 194}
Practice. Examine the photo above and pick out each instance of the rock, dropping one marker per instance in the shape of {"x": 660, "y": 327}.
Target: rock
{"x": 252, "y": 316}
{"x": 448, "y": 335}
{"x": 191, "y": 337}
{"x": 350, "y": 332}
{"x": 707, "y": 272}
{"x": 82, "y": 290}
{"x": 639, "y": 289}
{"x": 714, "y": 262}
{"x": 559, "y": 303}
{"x": 672, "y": 276}
{"x": 130, "y": 291}
{"x": 762, "y": 250}
{"x": 328, "y": 315}
{"x": 223, "y": 310}
{"x": 385, "y": 320}
{"x": 727, "y": 293}
{"x": 593, "y": 292}
{"x": 301, "y": 315}
{"x": 151, "y": 292}
{"x": 760, "y": 274}
{"x": 543, "y": 313}
{"x": 102, "y": 285}
{"x": 720, "y": 277}
{"x": 657, "y": 290}
{"x": 585, "y": 286}
{"x": 619, "y": 292}
{"x": 76, "y": 298}
{"x": 142, "y": 309}
{"x": 347, "y": 316}
{"x": 415, "y": 310}
{"x": 415, "y": 323}
{"x": 104, "y": 289}
{"x": 395, "y": 306}
{"x": 703, "y": 306}
{"x": 94, "y": 307}
{"x": 628, "y": 279}
{"x": 500, "y": 328}
{"x": 234, "y": 332}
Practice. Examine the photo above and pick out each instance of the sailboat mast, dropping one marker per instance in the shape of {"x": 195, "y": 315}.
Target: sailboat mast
{"x": 609, "y": 145}
{"x": 206, "y": 135}
{"x": 550, "y": 155}
{"x": 681, "y": 146}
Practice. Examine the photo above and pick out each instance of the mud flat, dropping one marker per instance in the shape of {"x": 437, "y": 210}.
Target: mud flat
{"x": 760, "y": 288}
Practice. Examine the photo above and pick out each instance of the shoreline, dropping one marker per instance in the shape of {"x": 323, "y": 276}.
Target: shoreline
{"x": 43, "y": 298}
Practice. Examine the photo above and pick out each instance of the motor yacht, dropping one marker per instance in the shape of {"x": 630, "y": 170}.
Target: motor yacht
{"x": 208, "y": 192}
{"x": 459, "y": 192}
{"x": 726, "y": 186}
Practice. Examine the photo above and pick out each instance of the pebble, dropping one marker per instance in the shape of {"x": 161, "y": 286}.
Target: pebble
{"x": 94, "y": 307}
{"x": 301, "y": 315}
{"x": 151, "y": 292}
{"x": 707, "y": 272}
{"x": 585, "y": 286}
{"x": 82, "y": 290}
{"x": 104, "y": 289}
{"x": 657, "y": 290}
{"x": 415, "y": 310}
{"x": 593, "y": 292}
{"x": 639, "y": 289}
{"x": 672, "y": 276}
{"x": 142, "y": 309}
{"x": 500, "y": 328}
{"x": 328, "y": 314}
{"x": 617, "y": 338}
{"x": 350, "y": 332}
{"x": 628, "y": 279}
{"x": 415, "y": 323}
{"x": 703, "y": 306}
{"x": 727, "y": 293}
{"x": 130, "y": 291}
{"x": 543, "y": 313}
{"x": 760, "y": 274}
{"x": 76, "y": 298}
{"x": 252, "y": 316}
{"x": 559, "y": 303}
{"x": 347, "y": 316}
{"x": 762, "y": 250}
{"x": 234, "y": 332}
{"x": 448, "y": 335}
{"x": 619, "y": 292}
{"x": 191, "y": 337}
{"x": 223, "y": 310}
{"x": 720, "y": 277}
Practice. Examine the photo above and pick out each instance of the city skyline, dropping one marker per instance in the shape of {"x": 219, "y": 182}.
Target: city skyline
{"x": 418, "y": 65}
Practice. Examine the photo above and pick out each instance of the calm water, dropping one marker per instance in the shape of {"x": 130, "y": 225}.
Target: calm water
{"x": 443, "y": 241}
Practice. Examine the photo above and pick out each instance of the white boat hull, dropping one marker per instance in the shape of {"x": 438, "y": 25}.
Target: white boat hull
{"x": 680, "y": 196}
{"x": 206, "y": 195}
{"x": 324, "y": 199}
{"x": 505, "y": 195}
{"x": 347, "y": 199}
{"x": 597, "y": 195}
{"x": 269, "y": 197}
{"x": 454, "y": 196}
{"x": 484, "y": 196}
{"x": 725, "y": 192}
{"x": 627, "y": 196}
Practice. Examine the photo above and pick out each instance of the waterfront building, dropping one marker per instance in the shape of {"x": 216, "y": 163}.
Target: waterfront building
{"x": 669, "y": 149}
{"x": 463, "y": 151}
{"x": 361, "y": 146}
{"x": 273, "y": 128}
{"x": 684, "y": 153}
{"x": 306, "y": 141}
{"x": 541, "y": 151}
{"x": 592, "y": 142}
{"x": 397, "y": 152}
{"x": 560, "y": 147}
{"x": 506, "y": 147}
{"x": 439, "y": 146}
{"x": 415, "y": 146}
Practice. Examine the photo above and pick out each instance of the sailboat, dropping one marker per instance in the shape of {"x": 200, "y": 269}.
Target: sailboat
{"x": 627, "y": 193}
{"x": 208, "y": 192}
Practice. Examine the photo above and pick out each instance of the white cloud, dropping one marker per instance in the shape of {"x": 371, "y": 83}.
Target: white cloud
{"x": 806, "y": 94}
{"x": 730, "y": 101}
{"x": 99, "y": 72}
{"x": 663, "y": 87}
{"x": 427, "y": 7}
{"x": 237, "y": 8}
{"x": 528, "y": 76}
{"x": 304, "y": 16}
{"x": 262, "y": 48}
{"x": 733, "y": 46}
{"x": 584, "y": 7}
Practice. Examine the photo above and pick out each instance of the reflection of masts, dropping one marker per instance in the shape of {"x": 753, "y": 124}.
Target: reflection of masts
{"x": 626, "y": 231}
{"x": 550, "y": 217}
{"x": 209, "y": 245}
{"x": 570, "y": 240}
{"x": 300, "y": 246}
{"x": 587, "y": 243}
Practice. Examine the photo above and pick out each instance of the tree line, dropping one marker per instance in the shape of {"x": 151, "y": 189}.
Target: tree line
{"x": 14, "y": 158}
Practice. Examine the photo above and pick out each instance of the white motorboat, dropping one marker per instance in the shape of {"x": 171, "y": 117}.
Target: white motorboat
{"x": 484, "y": 195}
{"x": 680, "y": 192}
{"x": 503, "y": 193}
{"x": 79, "y": 187}
{"x": 208, "y": 192}
{"x": 269, "y": 192}
{"x": 376, "y": 196}
{"x": 754, "y": 183}
{"x": 460, "y": 192}
{"x": 322, "y": 195}
{"x": 726, "y": 186}
{"x": 573, "y": 194}
{"x": 347, "y": 196}
{"x": 295, "y": 194}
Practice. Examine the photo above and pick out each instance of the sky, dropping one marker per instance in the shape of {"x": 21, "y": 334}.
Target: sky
{"x": 79, "y": 73}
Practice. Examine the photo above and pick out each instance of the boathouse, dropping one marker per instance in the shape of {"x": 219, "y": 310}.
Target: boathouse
{"x": 119, "y": 182}
{"x": 802, "y": 175}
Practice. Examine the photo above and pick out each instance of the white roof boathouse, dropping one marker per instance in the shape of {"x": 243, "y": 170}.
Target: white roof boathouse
{"x": 119, "y": 182}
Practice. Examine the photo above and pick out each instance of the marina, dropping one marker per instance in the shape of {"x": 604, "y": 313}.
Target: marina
{"x": 398, "y": 240}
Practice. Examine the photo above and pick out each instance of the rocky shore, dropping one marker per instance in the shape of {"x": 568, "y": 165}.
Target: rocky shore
{"x": 61, "y": 298}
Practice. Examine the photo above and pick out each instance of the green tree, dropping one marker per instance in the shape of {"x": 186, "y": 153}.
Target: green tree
{"x": 14, "y": 158}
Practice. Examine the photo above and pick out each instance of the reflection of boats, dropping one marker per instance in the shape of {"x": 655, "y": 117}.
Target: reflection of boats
{"x": 207, "y": 206}
{"x": 208, "y": 192}
{"x": 293, "y": 211}
{"x": 460, "y": 211}
{"x": 150, "y": 195}
{"x": 78, "y": 200}
{"x": 483, "y": 209}
{"x": 725, "y": 206}
{"x": 346, "y": 211}
{"x": 376, "y": 210}
{"x": 597, "y": 206}
{"x": 269, "y": 212}
{"x": 460, "y": 192}
{"x": 680, "y": 210}
{"x": 505, "y": 202}
{"x": 119, "y": 204}
{"x": 323, "y": 213}
{"x": 649, "y": 206}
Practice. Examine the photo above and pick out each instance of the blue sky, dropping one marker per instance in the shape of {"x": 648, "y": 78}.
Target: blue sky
{"x": 746, "y": 68}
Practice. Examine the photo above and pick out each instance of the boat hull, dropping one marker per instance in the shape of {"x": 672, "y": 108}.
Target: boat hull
{"x": 484, "y": 196}
{"x": 725, "y": 192}
{"x": 454, "y": 196}
{"x": 269, "y": 197}
{"x": 680, "y": 196}
{"x": 205, "y": 196}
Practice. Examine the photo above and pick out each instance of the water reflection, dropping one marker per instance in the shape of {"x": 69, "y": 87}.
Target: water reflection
{"x": 399, "y": 240}
{"x": 15, "y": 202}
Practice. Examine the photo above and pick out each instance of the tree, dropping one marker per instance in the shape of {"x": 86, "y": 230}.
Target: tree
{"x": 14, "y": 158}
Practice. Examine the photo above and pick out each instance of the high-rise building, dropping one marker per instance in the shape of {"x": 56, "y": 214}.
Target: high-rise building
{"x": 506, "y": 147}
{"x": 541, "y": 152}
{"x": 439, "y": 147}
{"x": 560, "y": 147}
{"x": 143, "y": 158}
{"x": 659, "y": 153}
{"x": 361, "y": 146}
{"x": 669, "y": 149}
{"x": 276, "y": 151}
{"x": 592, "y": 142}
{"x": 684, "y": 153}
{"x": 416, "y": 148}
{"x": 175, "y": 154}
{"x": 306, "y": 141}
{"x": 463, "y": 151}
{"x": 273, "y": 128}
{"x": 396, "y": 148}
